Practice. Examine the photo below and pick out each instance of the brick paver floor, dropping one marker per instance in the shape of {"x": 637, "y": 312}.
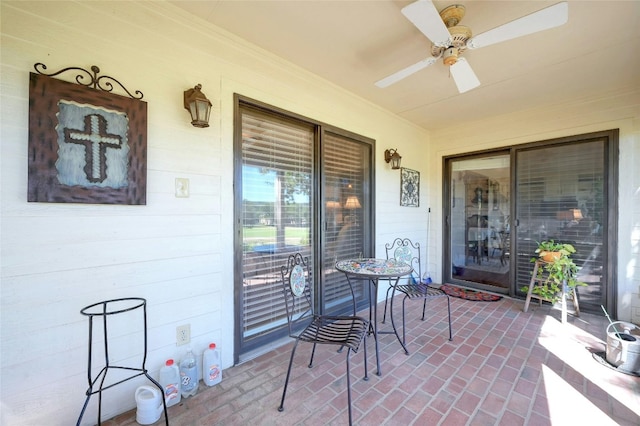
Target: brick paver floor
{"x": 503, "y": 367}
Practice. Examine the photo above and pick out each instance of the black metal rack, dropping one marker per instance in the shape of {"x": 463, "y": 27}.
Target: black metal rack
{"x": 104, "y": 310}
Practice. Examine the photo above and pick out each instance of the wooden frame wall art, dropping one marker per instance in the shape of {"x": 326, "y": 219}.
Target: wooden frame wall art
{"x": 409, "y": 187}
{"x": 86, "y": 144}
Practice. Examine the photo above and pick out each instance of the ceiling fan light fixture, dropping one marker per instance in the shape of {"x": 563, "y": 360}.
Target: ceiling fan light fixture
{"x": 450, "y": 56}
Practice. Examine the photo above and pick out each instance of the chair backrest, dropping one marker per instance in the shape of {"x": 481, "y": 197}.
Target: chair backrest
{"x": 403, "y": 250}
{"x": 297, "y": 291}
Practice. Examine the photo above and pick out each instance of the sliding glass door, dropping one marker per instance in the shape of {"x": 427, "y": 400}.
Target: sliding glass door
{"x": 500, "y": 204}
{"x": 480, "y": 220}
{"x": 301, "y": 187}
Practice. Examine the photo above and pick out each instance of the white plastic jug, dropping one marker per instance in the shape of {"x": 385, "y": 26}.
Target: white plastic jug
{"x": 211, "y": 366}
{"x": 149, "y": 405}
{"x": 170, "y": 382}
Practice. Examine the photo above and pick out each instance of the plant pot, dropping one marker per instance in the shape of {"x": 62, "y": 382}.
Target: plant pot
{"x": 550, "y": 256}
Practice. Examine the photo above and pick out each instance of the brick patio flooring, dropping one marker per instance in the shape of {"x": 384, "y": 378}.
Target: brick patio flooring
{"x": 503, "y": 367}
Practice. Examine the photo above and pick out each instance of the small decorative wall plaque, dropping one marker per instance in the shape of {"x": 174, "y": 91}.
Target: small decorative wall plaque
{"x": 409, "y": 187}
{"x": 86, "y": 144}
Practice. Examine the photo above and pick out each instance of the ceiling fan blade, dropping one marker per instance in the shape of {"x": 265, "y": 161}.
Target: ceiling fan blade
{"x": 393, "y": 78}
{"x": 550, "y": 17}
{"x": 464, "y": 76}
{"x": 424, "y": 15}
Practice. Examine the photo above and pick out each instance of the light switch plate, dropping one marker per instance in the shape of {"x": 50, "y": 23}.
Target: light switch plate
{"x": 182, "y": 187}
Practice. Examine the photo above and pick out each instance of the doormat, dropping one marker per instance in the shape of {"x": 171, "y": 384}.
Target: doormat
{"x": 466, "y": 294}
{"x": 601, "y": 357}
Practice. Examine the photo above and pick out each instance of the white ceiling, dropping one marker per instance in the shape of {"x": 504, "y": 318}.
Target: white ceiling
{"x": 355, "y": 43}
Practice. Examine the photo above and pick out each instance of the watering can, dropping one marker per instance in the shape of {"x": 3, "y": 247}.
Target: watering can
{"x": 149, "y": 405}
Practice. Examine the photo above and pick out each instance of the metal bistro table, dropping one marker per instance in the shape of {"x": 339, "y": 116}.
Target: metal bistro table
{"x": 372, "y": 270}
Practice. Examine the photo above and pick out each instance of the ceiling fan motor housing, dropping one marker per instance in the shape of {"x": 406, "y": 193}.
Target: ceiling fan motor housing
{"x": 457, "y": 44}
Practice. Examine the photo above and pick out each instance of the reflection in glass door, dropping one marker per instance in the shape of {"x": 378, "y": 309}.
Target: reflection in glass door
{"x": 479, "y": 213}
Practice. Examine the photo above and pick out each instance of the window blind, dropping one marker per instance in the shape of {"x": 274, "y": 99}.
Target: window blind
{"x": 277, "y": 168}
{"x": 345, "y": 178}
{"x": 560, "y": 192}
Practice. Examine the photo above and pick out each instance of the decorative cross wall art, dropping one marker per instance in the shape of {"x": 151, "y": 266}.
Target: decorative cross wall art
{"x": 409, "y": 187}
{"x": 86, "y": 145}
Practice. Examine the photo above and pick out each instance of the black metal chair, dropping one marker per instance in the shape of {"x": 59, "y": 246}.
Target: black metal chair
{"x": 306, "y": 326}
{"x": 402, "y": 249}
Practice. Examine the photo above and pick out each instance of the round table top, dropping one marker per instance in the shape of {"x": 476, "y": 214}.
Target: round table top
{"x": 375, "y": 268}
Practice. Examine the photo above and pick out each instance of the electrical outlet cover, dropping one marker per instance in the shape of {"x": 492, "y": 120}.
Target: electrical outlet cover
{"x": 183, "y": 335}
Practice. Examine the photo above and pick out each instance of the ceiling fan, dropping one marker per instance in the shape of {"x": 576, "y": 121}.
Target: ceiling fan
{"x": 449, "y": 39}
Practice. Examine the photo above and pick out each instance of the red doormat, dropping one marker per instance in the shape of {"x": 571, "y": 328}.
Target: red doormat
{"x": 466, "y": 294}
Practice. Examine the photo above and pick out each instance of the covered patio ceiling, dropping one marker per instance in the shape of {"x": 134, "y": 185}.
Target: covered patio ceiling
{"x": 353, "y": 44}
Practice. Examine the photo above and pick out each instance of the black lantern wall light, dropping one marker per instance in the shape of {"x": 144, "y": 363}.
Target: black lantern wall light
{"x": 392, "y": 156}
{"x": 198, "y": 106}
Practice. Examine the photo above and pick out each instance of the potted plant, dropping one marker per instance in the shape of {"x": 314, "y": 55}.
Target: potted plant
{"x": 559, "y": 269}
{"x": 550, "y": 251}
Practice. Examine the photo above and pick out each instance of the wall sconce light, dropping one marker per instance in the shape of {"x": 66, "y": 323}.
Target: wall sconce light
{"x": 198, "y": 106}
{"x": 391, "y": 155}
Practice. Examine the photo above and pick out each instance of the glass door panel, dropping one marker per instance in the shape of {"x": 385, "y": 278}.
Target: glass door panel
{"x": 560, "y": 196}
{"x": 276, "y": 219}
{"x": 346, "y": 176}
{"x": 480, "y": 220}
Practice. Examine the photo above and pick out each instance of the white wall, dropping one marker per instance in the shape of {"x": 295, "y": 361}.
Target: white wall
{"x": 175, "y": 252}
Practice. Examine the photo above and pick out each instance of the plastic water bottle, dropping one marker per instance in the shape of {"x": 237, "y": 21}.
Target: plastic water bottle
{"x": 188, "y": 375}
{"x": 211, "y": 366}
{"x": 170, "y": 382}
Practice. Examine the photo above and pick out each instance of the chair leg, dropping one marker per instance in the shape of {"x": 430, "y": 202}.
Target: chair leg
{"x": 286, "y": 381}
{"x": 404, "y": 325}
{"x": 349, "y": 386}
{"x": 424, "y": 308}
{"x": 449, "y": 313}
{"x": 313, "y": 352}
{"x": 366, "y": 368}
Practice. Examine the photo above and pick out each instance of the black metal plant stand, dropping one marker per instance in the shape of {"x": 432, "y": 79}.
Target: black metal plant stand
{"x": 104, "y": 310}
